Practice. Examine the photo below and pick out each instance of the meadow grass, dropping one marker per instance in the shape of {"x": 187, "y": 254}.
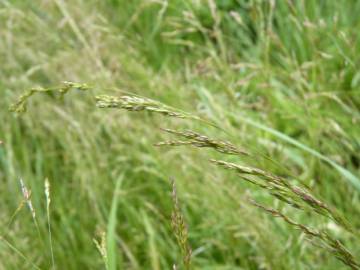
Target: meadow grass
{"x": 279, "y": 81}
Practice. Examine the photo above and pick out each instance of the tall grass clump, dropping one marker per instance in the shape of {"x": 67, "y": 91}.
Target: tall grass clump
{"x": 252, "y": 107}
{"x": 299, "y": 198}
{"x": 278, "y": 187}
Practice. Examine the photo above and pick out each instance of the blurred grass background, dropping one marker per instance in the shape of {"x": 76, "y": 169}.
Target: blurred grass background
{"x": 268, "y": 71}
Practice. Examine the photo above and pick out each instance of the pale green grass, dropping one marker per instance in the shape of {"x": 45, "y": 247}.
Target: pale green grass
{"x": 282, "y": 81}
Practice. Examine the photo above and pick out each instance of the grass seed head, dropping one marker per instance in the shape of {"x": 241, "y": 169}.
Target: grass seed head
{"x": 101, "y": 247}
{"x": 47, "y": 192}
{"x": 198, "y": 140}
{"x": 283, "y": 190}
{"x": 134, "y": 103}
{"x": 20, "y": 105}
{"x": 27, "y": 197}
{"x": 328, "y": 242}
{"x": 180, "y": 229}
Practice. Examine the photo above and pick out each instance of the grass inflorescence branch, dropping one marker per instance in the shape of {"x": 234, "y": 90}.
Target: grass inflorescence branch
{"x": 332, "y": 245}
{"x": 136, "y": 103}
{"x": 283, "y": 190}
{"x": 20, "y": 105}
{"x": 198, "y": 140}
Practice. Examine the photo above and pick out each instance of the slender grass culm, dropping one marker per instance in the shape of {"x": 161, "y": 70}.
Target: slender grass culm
{"x": 21, "y": 105}
{"x": 278, "y": 187}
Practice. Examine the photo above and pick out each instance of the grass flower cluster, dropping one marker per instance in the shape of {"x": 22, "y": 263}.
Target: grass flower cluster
{"x": 134, "y": 103}
{"x": 198, "y": 140}
{"x": 180, "y": 229}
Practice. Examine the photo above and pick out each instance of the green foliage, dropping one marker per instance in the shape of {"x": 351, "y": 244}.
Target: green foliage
{"x": 278, "y": 79}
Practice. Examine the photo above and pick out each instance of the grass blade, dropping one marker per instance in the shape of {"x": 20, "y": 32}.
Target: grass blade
{"x": 111, "y": 229}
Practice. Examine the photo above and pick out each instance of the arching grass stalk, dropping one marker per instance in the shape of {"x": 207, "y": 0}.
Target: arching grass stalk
{"x": 20, "y": 105}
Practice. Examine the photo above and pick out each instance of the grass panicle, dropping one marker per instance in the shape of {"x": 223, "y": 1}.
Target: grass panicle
{"x": 328, "y": 242}
{"x": 48, "y": 201}
{"x": 20, "y": 106}
{"x": 198, "y": 140}
{"x": 27, "y": 197}
{"x": 101, "y": 247}
{"x": 135, "y": 103}
{"x": 180, "y": 229}
{"x": 283, "y": 190}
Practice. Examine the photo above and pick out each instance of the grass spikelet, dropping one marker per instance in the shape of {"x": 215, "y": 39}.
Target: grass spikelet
{"x": 27, "y": 197}
{"x": 329, "y": 243}
{"x": 48, "y": 200}
{"x": 198, "y": 140}
{"x": 20, "y": 105}
{"x": 101, "y": 247}
{"x": 245, "y": 169}
{"x": 180, "y": 229}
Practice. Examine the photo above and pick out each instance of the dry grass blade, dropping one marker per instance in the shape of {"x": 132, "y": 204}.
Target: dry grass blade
{"x": 331, "y": 244}
{"x": 180, "y": 229}
{"x": 199, "y": 140}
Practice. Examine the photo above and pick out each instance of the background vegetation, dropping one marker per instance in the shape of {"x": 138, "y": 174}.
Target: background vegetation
{"x": 281, "y": 78}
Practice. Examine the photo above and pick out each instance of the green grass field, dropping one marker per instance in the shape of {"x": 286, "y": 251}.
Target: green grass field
{"x": 279, "y": 79}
